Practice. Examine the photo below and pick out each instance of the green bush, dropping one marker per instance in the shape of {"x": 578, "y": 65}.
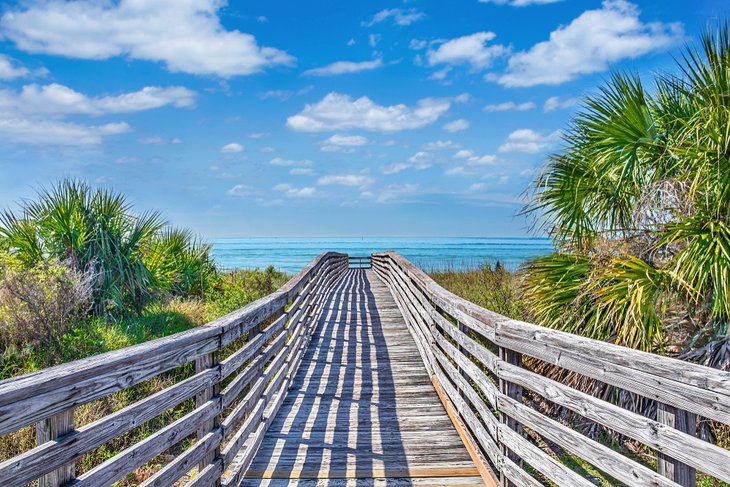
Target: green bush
{"x": 232, "y": 290}
{"x": 39, "y": 303}
{"x": 134, "y": 257}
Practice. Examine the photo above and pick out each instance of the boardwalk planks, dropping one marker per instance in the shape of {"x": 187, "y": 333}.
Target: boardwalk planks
{"x": 370, "y": 376}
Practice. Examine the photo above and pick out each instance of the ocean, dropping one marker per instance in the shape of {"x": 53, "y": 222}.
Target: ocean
{"x": 458, "y": 253}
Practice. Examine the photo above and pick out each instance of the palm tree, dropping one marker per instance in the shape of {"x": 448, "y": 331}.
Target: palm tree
{"x": 96, "y": 230}
{"x": 638, "y": 202}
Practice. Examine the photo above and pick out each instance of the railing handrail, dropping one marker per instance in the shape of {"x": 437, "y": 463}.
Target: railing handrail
{"x": 47, "y": 396}
{"x": 678, "y": 387}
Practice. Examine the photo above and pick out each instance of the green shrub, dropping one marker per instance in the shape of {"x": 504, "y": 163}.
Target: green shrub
{"x": 134, "y": 257}
{"x": 235, "y": 289}
{"x": 39, "y": 303}
{"x": 493, "y": 288}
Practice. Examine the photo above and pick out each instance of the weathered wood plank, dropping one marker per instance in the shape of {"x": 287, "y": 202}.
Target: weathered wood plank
{"x": 49, "y": 430}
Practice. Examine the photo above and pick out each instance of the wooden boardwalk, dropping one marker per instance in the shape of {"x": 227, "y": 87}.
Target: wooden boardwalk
{"x": 338, "y": 379}
{"x": 361, "y": 409}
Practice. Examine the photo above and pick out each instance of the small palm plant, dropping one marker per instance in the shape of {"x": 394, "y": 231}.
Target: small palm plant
{"x": 638, "y": 202}
{"x": 132, "y": 255}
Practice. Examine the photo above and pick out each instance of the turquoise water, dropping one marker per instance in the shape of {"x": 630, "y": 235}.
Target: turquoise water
{"x": 291, "y": 254}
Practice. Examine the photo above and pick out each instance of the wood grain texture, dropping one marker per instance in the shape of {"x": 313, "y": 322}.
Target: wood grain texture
{"x": 361, "y": 405}
{"x": 461, "y": 335}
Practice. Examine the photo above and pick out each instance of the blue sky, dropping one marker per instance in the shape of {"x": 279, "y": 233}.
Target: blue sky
{"x": 318, "y": 118}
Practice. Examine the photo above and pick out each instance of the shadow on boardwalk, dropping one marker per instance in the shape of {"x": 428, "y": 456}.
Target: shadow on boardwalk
{"x": 344, "y": 413}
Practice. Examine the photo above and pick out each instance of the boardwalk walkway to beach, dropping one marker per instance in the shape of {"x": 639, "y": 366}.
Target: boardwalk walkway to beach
{"x": 365, "y": 372}
{"x": 362, "y": 405}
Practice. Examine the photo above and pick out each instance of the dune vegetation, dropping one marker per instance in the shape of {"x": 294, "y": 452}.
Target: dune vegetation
{"x": 82, "y": 273}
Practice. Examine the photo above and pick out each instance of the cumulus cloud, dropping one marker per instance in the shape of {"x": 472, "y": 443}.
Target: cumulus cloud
{"x": 341, "y": 112}
{"x": 343, "y": 142}
{"x": 344, "y": 67}
{"x": 556, "y": 103}
{"x": 240, "y": 190}
{"x": 528, "y": 141}
{"x": 59, "y": 100}
{"x": 57, "y": 132}
{"x": 10, "y": 70}
{"x": 399, "y": 16}
{"x": 420, "y": 160}
{"x": 26, "y": 114}
{"x": 510, "y": 106}
{"x": 232, "y": 148}
{"x": 457, "y": 125}
{"x": 474, "y": 160}
{"x": 186, "y": 36}
{"x": 345, "y": 180}
{"x": 470, "y": 50}
{"x": 589, "y": 44}
{"x": 293, "y": 192}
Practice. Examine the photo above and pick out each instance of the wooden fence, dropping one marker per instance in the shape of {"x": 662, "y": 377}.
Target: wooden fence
{"x": 475, "y": 357}
{"x": 243, "y": 363}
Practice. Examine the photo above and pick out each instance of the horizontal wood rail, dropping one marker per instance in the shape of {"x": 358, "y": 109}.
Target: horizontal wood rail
{"x": 475, "y": 357}
{"x": 237, "y": 369}
{"x": 359, "y": 262}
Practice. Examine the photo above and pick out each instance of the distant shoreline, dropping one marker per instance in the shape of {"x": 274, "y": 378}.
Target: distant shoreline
{"x": 432, "y": 253}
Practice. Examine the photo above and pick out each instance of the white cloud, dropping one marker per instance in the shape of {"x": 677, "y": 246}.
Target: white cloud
{"x": 520, "y": 3}
{"x": 186, "y": 36}
{"x": 417, "y": 44}
{"x": 341, "y": 112}
{"x": 278, "y": 161}
{"x": 292, "y": 192}
{"x": 342, "y": 142}
{"x": 60, "y": 100}
{"x": 36, "y": 114}
{"x": 420, "y": 160}
{"x": 591, "y": 43}
{"x": 510, "y": 106}
{"x": 475, "y": 160}
{"x": 267, "y": 149}
{"x": 440, "y": 145}
{"x": 240, "y": 190}
{"x": 528, "y": 141}
{"x": 345, "y": 180}
{"x": 257, "y": 135}
{"x": 344, "y": 67}
{"x": 556, "y": 103}
{"x": 469, "y": 49}
{"x": 399, "y": 16}
{"x": 232, "y": 148}
{"x": 457, "y": 125}
{"x": 55, "y": 132}
{"x": 374, "y": 39}
{"x": 9, "y": 69}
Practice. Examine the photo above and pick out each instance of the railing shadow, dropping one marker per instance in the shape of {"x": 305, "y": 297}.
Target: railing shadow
{"x": 339, "y": 418}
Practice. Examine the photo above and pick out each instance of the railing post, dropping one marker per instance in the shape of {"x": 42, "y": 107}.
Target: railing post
{"x": 208, "y": 361}
{"x": 513, "y": 391}
{"x": 48, "y": 430}
{"x": 685, "y": 422}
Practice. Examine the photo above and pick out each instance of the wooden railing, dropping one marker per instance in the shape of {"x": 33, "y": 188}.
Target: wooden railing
{"x": 360, "y": 262}
{"x": 475, "y": 357}
{"x": 243, "y": 363}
